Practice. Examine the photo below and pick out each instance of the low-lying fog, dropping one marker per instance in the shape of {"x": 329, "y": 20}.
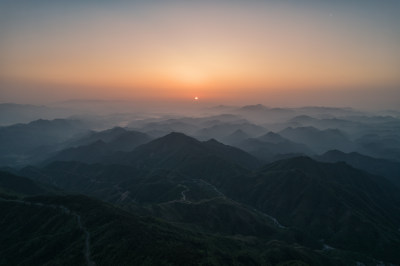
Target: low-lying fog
{"x": 32, "y": 134}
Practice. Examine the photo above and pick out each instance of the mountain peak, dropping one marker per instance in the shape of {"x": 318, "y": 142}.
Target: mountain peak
{"x": 179, "y": 151}
{"x": 174, "y": 140}
{"x": 272, "y": 137}
{"x": 116, "y": 130}
{"x": 333, "y": 153}
{"x": 238, "y": 131}
{"x": 177, "y": 136}
{"x": 300, "y": 162}
{"x": 98, "y": 143}
{"x": 213, "y": 141}
{"x": 302, "y": 118}
{"x": 236, "y": 136}
{"x": 255, "y": 107}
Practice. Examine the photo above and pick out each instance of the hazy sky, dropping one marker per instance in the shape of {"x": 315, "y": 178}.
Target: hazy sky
{"x": 287, "y": 52}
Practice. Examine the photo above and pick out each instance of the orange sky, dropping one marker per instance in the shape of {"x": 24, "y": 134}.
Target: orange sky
{"x": 180, "y": 50}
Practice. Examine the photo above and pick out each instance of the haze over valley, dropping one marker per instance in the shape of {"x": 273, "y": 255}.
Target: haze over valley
{"x": 200, "y": 132}
{"x": 314, "y": 185}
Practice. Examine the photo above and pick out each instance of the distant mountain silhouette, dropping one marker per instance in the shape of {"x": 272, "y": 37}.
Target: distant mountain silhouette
{"x": 256, "y": 107}
{"x": 12, "y": 113}
{"x": 185, "y": 154}
{"x": 303, "y": 119}
{"x": 105, "y": 135}
{"x": 175, "y": 151}
{"x": 222, "y": 130}
{"x": 260, "y": 113}
{"x": 273, "y": 138}
{"x": 271, "y": 145}
{"x": 99, "y": 146}
{"x": 330, "y": 111}
{"x": 170, "y": 125}
{"x": 117, "y": 139}
{"x": 24, "y": 137}
{"x": 381, "y": 146}
{"x": 318, "y": 140}
{"x": 92, "y": 153}
{"x": 382, "y": 167}
{"x": 22, "y": 144}
{"x": 236, "y": 137}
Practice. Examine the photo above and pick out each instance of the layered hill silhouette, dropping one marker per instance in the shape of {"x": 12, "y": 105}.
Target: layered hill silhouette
{"x": 382, "y": 167}
{"x": 117, "y": 138}
{"x": 236, "y": 137}
{"x": 221, "y": 130}
{"x": 30, "y": 143}
{"x": 176, "y": 148}
{"x": 95, "y": 152}
{"x": 204, "y": 202}
{"x": 175, "y": 151}
{"x": 25, "y": 137}
{"x": 269, "y": 146}
{"x": 318, "y": 140}
{"x": 333, "y": 203}
{"x": 376, "y": 145}
{"x": 99, "y": 146}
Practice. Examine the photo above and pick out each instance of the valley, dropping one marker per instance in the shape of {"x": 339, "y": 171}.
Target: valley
{"x": 254, "y": 198}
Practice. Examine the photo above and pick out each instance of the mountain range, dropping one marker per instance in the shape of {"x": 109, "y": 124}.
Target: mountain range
{"x": 254, "y": 185}
{"x": 297, "y": 200}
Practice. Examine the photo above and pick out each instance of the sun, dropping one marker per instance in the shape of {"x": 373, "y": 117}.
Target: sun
{"x": 196, "y": 98}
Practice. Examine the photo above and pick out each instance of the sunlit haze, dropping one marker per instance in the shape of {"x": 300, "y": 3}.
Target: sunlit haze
{"x": 289, "y": 53}
{"x": 200, "y": 132}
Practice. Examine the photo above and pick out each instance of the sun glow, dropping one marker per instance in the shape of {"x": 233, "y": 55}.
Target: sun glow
{"x": 244, "y": 51}
{"x": 187, "y": 76}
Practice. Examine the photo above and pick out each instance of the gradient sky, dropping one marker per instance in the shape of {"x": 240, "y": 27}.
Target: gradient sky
{"x": 287, "y": 52}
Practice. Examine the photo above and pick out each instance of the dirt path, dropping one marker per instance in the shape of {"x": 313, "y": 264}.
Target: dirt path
{"x": 273, "y": 219}
{"x": 65, "y": 210}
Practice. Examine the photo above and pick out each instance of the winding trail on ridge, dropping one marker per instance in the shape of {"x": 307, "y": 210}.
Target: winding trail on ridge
{"x": 183, "y": 199}
{"x": 273, "y": 219}
{"x": 89, "y": 262}
{"x": 65, "y": 210}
